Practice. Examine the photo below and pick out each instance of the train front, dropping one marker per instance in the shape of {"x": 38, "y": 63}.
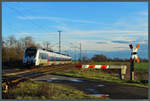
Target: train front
{"x": 30, "y": 56}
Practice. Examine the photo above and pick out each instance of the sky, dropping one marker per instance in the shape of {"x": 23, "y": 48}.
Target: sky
{"x": 100, "y": 27}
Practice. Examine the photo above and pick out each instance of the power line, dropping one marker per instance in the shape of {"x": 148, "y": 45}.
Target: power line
{"x": 59, "y": 41}
{"x": 80, "y": 51}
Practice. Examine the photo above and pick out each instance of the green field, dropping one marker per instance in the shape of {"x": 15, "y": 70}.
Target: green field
{"x": 141, "y": 67}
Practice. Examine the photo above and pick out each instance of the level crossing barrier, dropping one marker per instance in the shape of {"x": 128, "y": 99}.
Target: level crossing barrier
{"x": 122, "y": 73}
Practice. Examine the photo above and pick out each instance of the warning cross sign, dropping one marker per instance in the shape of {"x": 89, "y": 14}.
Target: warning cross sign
{"x": 134, "y": 53}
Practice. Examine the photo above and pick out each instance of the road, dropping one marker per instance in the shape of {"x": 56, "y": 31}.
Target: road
{"x": 113, "y": 90}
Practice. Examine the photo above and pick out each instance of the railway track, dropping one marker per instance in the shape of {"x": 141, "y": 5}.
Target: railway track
{"x": 13, "y": 78}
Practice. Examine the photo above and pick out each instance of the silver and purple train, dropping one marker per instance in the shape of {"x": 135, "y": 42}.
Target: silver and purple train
{"x": 37, "y": 56}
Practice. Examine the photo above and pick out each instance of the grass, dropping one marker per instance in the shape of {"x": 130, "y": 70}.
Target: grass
{"x": 98, "y": 75}
{"x": 141, "y": 67}
{"x": 44, "y": 90}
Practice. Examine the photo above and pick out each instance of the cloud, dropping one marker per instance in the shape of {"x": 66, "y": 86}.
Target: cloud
{"x": 122, "y": 42}
{"x": 58, "y": 19}
{"x": 106, "y": 45}
{"x": 143, "y": 13}
{"x": 100, "y": 42}
{"x": 117, "y": 37}
{"x": 114, "y": 35}
{"x": 116, "y": 44}
{"x": 24, "y": 33}
{"x": 136, "y": 20}
{"x": 107, "y": 31}
{"x": 61, "y": 26}
{"x": 141, "y": 41}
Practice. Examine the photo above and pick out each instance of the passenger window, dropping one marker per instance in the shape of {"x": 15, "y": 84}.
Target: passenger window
{"x": 43, "y": 56}
{"x": 40, "y": 56}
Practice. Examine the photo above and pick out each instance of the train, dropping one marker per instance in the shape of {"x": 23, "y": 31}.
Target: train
{"x": 35, "y": 56}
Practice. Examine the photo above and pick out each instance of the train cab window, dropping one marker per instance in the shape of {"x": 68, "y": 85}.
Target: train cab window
{"x": 31, "y": 52}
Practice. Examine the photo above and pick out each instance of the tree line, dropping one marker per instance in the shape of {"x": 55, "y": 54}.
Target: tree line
{"x": 103, "y": 58}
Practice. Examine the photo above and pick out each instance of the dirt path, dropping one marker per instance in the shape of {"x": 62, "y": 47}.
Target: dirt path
{"x": 114, "y": 90}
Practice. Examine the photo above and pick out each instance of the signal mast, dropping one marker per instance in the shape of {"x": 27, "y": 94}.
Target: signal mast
{"x": 133, "y": 58}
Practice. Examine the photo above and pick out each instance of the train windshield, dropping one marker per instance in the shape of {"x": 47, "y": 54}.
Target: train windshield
{"x": 30, "y": 52}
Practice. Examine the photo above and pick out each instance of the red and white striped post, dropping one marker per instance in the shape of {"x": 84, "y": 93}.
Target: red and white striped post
{"x": 132, "y": 60}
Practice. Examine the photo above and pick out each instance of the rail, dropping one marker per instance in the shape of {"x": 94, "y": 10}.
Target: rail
{"x": 10, "y": 79}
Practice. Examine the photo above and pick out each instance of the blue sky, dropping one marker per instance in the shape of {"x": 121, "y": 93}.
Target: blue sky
{"x": 99, "y": 26}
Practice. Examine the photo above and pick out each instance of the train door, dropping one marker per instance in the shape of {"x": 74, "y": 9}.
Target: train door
{"x": 43, "y": 58}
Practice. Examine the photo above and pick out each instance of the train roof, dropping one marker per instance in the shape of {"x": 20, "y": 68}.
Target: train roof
{"x": 33, "y": 47}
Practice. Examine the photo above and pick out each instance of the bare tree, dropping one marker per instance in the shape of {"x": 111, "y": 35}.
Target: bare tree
{"x": 47, "y": 45}
{"x": 27, "y": 42}
{"x": 12, "y": 41}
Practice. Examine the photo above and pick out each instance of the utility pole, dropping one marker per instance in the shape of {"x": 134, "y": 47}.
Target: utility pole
{"x": 47, "y": 44}
{"x": 80, "y": 51}
{"x": 75, "y": 54}
{"x": 59, "y": 41}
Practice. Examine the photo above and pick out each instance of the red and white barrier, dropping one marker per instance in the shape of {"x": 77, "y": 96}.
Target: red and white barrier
{"x": 93, "y": 66}
{"x": 122, "y": 67}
